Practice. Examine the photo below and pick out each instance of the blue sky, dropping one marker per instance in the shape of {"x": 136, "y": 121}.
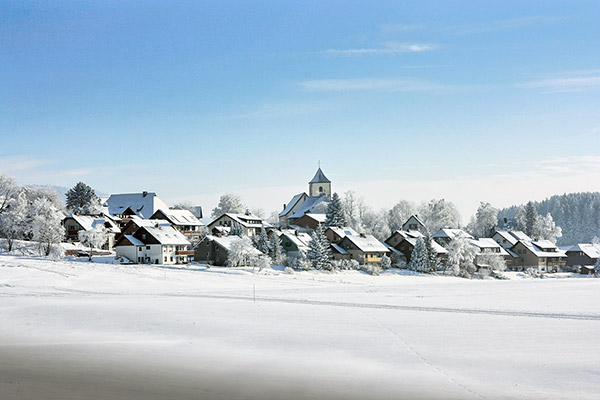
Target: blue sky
{"x": 468, "y": 101}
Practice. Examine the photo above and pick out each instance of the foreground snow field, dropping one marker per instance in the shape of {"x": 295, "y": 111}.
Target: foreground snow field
{"x": 72, "y": 330}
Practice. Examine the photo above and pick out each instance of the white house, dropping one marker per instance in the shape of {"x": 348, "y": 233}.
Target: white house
{"x": 250, "y": 224}
{"x": 156, "y": 244}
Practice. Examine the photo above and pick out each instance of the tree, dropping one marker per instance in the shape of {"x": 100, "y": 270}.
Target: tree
{"x": 276, "y": 251}
{"x": 335, "y": 213}
{"x": 93, "y": 238}
{"x": 438, "y": 214}
{"x": 236, "y": 229}
{"x": 319, "y": 253}
{"x": 418, "y": 257}
{"x": 13, "y": 220}
{"x": 531, "y": 221}
{"x": 461, "y": 257}
{"x": 185, "y": 205}
{"x": 385, "y": 262}
{"x": 46, "y": 228}
{"x": 8, "y": 189}
{"x": 495, "y": 262}
{"x": 240, "y": 252}
{"x": 353, "y": 208}
{"x": 81, "y": 199}
{"x": 547, "y": 229}
{"x": 375, "y": 223}
{"x": 521, "y": 219}
{"x": 400, "y": 213}
{"x": 432, "y": 260}
{"x": 485, "y": 220}
{"x": 229, "y": 203}
{"x": 262, "y": 244}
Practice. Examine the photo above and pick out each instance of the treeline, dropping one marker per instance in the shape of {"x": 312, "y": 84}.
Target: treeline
{"x": 578, "y": 214}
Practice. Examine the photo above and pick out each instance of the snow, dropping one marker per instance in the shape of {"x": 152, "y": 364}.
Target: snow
{"x": 143, "y": 204}
{"x": 73, "y": 329}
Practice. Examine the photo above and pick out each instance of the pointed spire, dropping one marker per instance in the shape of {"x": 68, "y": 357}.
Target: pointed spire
{"x": 320, "y": 176}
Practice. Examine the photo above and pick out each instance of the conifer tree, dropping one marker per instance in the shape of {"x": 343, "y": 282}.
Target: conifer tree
{"x": 418, "y": 257}
{"x": 432, "y": 261}
{"x": 335, "y": 212}
{"x": 319, "y": 253}
{"x": 531, "y": 221}
{"x": 236, "y": 229}
{"x": 262, "y": 242}
{"x": 81, "y": 199}
{"x": 276, "y": 250}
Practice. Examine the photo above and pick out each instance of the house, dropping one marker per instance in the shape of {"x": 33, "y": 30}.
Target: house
{"x": 541, "y": 254}
{"x": 156, "y": 244}
{"x": 316, "y": 201}
{"x": 445, "y": 235}
{"x": 136, "y": 222}
{"x": 182, "y": 220}
{"x": 414, "y": 223}
{"x": 310, "y": 221}
{"x": 144, "y": 204}
{"x": 215, "y": 250}
{"x": 488, "y": 246}
{"x": 407, "y": 245}
{"x": 294, "y": 242}
{"x": 397, "y": 236}
{"x": 508, "y": 239}
{"x": 365, "y": 249}
{"x": 583, "y": 254}
{"x": 249, "y": 224}
{"x": 335, "y": 234}
{"x": 75, "y": 223}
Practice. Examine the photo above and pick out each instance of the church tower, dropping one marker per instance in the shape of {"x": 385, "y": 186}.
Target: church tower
{"x": 319, "y": 185}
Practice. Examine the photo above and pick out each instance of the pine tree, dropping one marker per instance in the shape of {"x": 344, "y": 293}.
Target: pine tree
{"x": 418, "y": 258}
{"x": 335, "y": 213}
{"x": 276, "y": 250}
{"x": 319, "y": 252}
{"x": 236, "y": 229}
{"x": 262, "y": 244}
{"x": 431, "y": 255}
{"x": 531, "y": 221}
{"x": 81, "y": 199}
{"x": 385, "y": 262}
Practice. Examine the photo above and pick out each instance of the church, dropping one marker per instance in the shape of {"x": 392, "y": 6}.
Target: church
{"x": 316, "y": 201}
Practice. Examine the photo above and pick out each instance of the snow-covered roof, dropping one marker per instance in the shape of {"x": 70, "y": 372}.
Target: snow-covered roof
{"x": 343, "y": 231}
{"x": 300, "y": 239}
{"x": 246, "y": 220}
{"x": 448, "y": 233}
{"x": 143, "y": 204}
{"x": 319, "y": 177}
{"x": 309, "y": 204}
{"x": 227, "y": 241}
{"x": 438, "y": 249}
{"x": 291, "y": 204}
{"x": 182, "y": 217}
{"x": 140, "y": 222}
{"x": 489, "y": 243}
{"x": 89, "y": 222}
{"x": 538, "y": 251}
{"x": 506, "y": 235}
{"x": 544, "y": 244}
{"x": 392, "y": 249}
{"x": 133, "y": 241}
{"x": 589, "y": 249}
{"x": 367, "y": 243}
{"x": 416, "y": 218}
{"x": 338, "y": 249}
{"x": 167, "y": 235}
{"x": 520, "y": 235}
{"x": 320, "y": 218}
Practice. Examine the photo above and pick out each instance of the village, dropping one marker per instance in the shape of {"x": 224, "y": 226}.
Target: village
{"x": 310, "y": 234}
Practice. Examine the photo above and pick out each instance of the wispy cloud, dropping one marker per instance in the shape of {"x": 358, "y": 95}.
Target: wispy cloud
{"x": 19, "y": 163}
{"x": 566, "y": 82}
{"x": 370, "y": 84}
{"x": 501, "y": 25}
{"x": 388, "y": 48}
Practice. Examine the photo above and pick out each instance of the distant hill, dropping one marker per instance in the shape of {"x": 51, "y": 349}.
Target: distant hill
{"x": 578, "y": 214}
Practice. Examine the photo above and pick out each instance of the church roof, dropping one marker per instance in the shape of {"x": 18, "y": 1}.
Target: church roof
{"x": 320, "y": 177}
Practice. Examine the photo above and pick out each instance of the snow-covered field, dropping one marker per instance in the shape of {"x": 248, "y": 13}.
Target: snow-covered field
{"x": 80, "y": 330}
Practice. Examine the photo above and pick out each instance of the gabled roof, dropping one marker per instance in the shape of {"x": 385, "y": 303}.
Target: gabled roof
{"x": 319, "y": 177}
{"x": 166, "y": 235}
{"x": 589, "y": 249}
{"x": 227, "y": 241}
{"x": 343, "y": 231}
{"x": 367, "y": 243}
{"x": 489, "y": 243}
{"x": 142, "y": 204}
{"x": 300, "y": 239}
{"x": 89, "y": 222}
{"x": 320, "y": 218}
{"x": 531, "y": 246}
{"x": 448, "y": 233}
{"x": 506, "y": 235}
{"x": 180, "y": 217}
{"x": 438, "y": 249}
{"x": 520, "y": 235}
{"x": 309, "y": 204}
{"x": 544, "y": 244}
{"x": 246, "y": 220}
{"x": 416, "y": 218}
{"x": 336, "y": 248}
{"x": 292, "y": 204}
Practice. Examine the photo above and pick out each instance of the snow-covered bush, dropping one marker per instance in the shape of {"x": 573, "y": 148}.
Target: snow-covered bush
{"x": 239, "y": 254}
{"x": 93, "y": 238}
{"x": 385, "y": 263}
{"x": 370, "y": 269}
{"x": 461, "y": 258}
{"x": 261, "y": 262}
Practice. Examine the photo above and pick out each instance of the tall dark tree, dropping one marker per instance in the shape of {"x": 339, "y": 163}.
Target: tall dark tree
{"x": 335, "y": 212}
{"x": 81, "y": 199}
{"x": 531, "y": 220}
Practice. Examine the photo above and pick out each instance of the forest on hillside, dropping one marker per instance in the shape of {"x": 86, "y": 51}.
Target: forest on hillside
{"x": 578, "y": 214}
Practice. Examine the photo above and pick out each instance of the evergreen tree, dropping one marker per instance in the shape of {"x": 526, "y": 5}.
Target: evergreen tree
{"x": 418, "y": 258}
{"x": 385, "y": 262}
{"x": 276, "y": 250}
{"x": 262, "y": 244}
{"x": 431, "y": 255}
{"x": 81, "y": 199}
{"x": 531, "y": 221}
{"x": 335, "y": 213}
{"x": 319, "y": 253}
{"x": 236, "y": 229}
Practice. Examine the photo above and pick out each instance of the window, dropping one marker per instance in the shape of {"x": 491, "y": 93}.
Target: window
{"x": 143, "y": 236}
{"x": 320, "y": 189}
{"x": 147, "y": 247}
{"x": 165, "y": 259}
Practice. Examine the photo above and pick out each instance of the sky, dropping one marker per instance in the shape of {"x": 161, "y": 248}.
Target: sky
{"x": 470, "y": 101}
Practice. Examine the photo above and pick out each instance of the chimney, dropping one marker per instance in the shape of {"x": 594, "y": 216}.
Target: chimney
{"x": 362, "y": 235}
{"x": 248, "y": 212}
{"x": 144, "y": 193}
{"x": 284, "y": 205}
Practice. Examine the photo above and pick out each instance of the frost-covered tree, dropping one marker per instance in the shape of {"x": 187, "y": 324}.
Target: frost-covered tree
{"x": 484, "y": 221}
{"x": 262, "y": 243}
{"x": 185, "y": 205}
{"x": 276, "y": 251}
{"x": 531, "y": 221}
{"x": 236, "y": 229}
{"x": 385, "y": 262}
{"x": 495, "y": 262}
{"x": 319, "y": 253}
{"x": 521, "y": 219}
{"x": 438, "y": 214}
{"x": 461, "y": 257}
{"x": 8, "y": 190}
{"x": 375, "y": 223}
{"x": 13, "y": 220}
{"x": 432, "y": 260}
{"x": 93, "y": 238}
{"x": 46, "y": 226}
{"x": 81, "y": 199}
{"x": 301, "y": 262}
{"x": 418, "y": 257}
{"x": 335, "y": 212}
{"x": 261, "y": 262}
{"x": 229, "y": 203}
{"x": 354, "y": 207}
{"x": 400, "y": 213}
{"x": 547, "y": 229}
{"x": 240, "y": 253}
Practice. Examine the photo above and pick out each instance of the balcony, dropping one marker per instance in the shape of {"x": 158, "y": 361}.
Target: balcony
{"x": 184, "y": 252}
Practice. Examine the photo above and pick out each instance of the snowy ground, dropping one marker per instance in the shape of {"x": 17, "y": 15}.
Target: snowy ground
{"x": 72, "y": 329}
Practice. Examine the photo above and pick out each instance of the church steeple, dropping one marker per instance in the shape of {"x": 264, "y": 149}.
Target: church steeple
{"x": 319, "y": 185}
